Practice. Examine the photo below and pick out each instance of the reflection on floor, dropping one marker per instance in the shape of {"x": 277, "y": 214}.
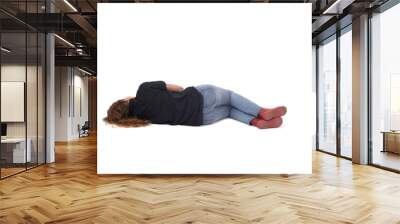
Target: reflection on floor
{"x": 70, "y": 191}
{"x": 11, "y": 169}
{"x": 346, "y": 151}
{"x": 386, "y": 159}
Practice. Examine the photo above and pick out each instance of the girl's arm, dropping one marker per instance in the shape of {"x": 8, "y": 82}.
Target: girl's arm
{"x": 174, "y": 88}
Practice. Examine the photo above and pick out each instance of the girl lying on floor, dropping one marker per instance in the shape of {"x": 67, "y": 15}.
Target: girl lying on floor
{"x": 161, "y": 103}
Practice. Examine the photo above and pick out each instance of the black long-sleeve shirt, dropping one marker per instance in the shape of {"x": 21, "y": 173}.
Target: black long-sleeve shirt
{"x": 155, "y": 103}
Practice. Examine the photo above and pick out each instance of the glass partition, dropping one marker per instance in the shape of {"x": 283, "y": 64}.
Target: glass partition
{"x": 31, "y": 100}
{"x": 41, "y": 91}
{"x": 14, "y": 153}
{"x": 35, "y": 89}
{"x": 22, "y": 67}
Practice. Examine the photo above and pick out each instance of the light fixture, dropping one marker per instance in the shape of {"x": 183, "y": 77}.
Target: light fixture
{"x": 70, "y": 5}
{"x": 5, "y": 50}
{"x": 79, "y": 51}
{"x": 338, "y": 6}
{"x": 64, "y": 40}
{"x": 84, "y": 71}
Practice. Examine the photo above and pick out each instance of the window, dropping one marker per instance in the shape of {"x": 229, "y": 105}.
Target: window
{"x": 327, "y": 96}
{"x": 346, "y": 93}
{"x": 385, "y": 89}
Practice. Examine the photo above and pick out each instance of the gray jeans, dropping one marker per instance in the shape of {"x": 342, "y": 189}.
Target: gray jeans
{"x": 221, "y": 103}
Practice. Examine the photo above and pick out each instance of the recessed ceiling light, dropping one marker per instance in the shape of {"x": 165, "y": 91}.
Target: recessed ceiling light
{"x": 70, "y": 5}
{"x": 5, "y": 50}
{"x": 64, "y": 40}
{"x": 84, "y": 71}
{"x": 338, "y": 6}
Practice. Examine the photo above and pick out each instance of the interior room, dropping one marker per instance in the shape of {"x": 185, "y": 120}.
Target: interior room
{"x": 48, "y": 150}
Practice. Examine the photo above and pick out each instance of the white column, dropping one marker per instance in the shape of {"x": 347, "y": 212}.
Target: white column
{"x": 50, "y": 99}
{"x": 360, "y": 90}
{"x": 50, "y": 93}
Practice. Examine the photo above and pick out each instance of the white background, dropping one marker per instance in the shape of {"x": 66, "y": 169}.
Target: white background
{"x": 262, "y": 51}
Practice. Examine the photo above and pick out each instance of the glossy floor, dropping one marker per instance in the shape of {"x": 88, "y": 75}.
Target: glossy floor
{"x": 70, "y": 191}
{"x": 386, "y": 159}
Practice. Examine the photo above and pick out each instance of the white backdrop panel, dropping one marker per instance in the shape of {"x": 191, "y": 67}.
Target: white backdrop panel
{"x": 262, "y": 51}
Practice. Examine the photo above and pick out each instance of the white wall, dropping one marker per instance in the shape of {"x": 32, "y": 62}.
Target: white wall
{"x": 15, "y": 72}
{"x": 62, "y": 81}
{"x": 69, "y": 82}
{"x": 79, "y": 117}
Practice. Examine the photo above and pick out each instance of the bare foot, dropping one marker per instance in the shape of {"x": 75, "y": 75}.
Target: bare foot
{"x": 264, "y": 124}
{"x": 268, "y": 114}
